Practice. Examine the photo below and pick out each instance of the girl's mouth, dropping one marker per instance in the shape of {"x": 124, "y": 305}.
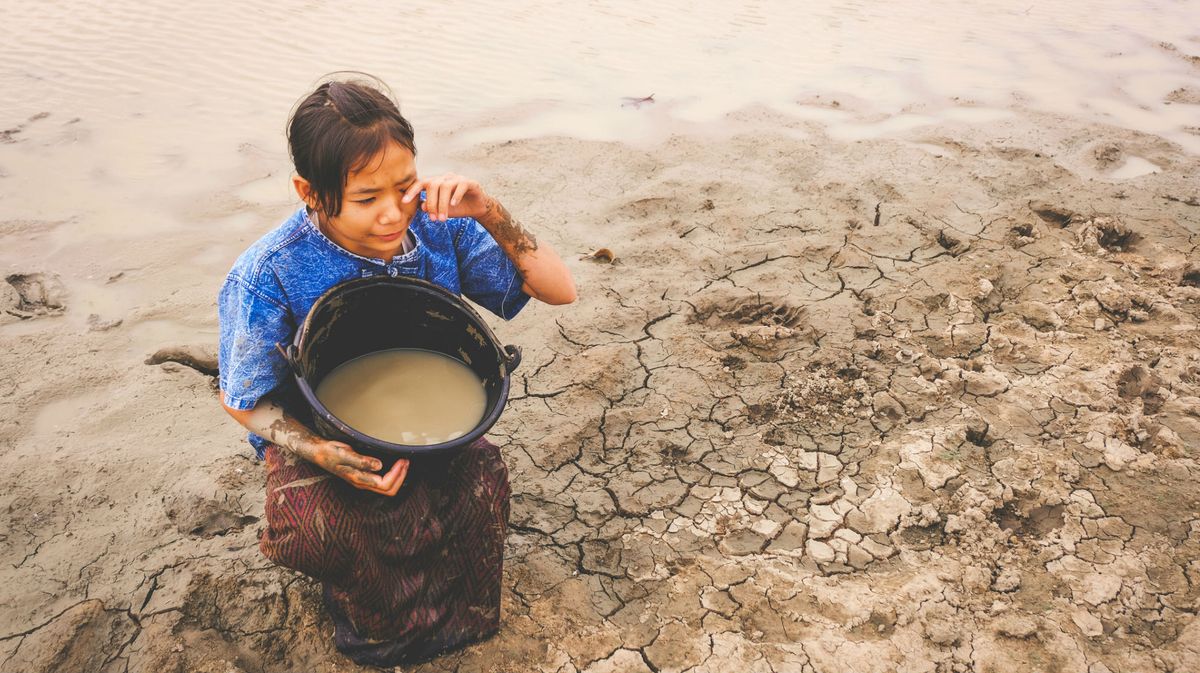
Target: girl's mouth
{"x": 388, "y": 238}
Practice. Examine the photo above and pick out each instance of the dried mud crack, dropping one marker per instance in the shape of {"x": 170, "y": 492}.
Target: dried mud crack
{"x": 874, "y": 428}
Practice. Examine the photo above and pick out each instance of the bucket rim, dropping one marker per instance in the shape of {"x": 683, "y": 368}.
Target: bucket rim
{"x": 508, "y": 356}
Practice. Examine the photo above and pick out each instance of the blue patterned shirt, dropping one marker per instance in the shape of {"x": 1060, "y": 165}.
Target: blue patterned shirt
{"x": 275, "y": 282}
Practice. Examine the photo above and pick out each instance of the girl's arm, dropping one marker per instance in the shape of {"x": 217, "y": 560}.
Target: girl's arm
{"x": 546, "y": 277}
{"x": 270, "y": 421}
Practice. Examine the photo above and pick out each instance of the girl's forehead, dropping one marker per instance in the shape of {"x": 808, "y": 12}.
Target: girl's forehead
{"x": 394, "y": 161}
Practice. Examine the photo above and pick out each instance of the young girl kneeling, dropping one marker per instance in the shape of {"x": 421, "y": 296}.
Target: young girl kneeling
{"x": 411, "y": 567}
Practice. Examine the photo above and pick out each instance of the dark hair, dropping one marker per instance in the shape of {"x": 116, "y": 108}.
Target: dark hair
{"x": 337, "y": 128}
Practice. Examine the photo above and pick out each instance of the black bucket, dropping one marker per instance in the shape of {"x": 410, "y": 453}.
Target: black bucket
{"x": 377, "y": 313}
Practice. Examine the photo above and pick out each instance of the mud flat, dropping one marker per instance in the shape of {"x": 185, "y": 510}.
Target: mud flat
{"x": 926, "y": 403}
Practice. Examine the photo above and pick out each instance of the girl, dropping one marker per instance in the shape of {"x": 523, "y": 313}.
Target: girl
{"x": 410, "y": 562}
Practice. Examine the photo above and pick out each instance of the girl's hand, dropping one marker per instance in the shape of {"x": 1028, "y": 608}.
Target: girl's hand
{"x": 356, "y": 469}
{"x": 449, "y": 196}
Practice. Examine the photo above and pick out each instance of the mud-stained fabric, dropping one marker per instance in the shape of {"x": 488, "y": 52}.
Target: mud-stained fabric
{"x": 405, "y": 578}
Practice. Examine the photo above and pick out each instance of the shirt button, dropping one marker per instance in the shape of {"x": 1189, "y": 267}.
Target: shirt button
{"x": 393, "y": 272}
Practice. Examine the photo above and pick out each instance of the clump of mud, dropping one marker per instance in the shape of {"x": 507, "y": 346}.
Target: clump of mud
{"x": 31, "y": 295}
{"x": 821, "y": 395}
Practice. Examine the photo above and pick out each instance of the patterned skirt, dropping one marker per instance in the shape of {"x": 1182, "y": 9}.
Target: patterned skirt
{"x": 405, "y": 578}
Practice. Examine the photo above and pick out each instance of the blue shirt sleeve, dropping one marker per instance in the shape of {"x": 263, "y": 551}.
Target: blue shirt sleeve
{"x": 488, "y": 276}
{"x": 252, "y": 322}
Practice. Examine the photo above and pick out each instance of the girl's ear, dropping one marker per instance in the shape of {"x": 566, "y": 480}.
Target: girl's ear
{"x": 304, "y": 191}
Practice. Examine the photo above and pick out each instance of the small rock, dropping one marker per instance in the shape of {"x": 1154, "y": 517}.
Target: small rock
{"x": 983, "y": 288}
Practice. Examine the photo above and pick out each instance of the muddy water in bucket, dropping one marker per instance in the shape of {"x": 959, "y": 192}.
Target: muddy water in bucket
{"x": 405, "y": 396}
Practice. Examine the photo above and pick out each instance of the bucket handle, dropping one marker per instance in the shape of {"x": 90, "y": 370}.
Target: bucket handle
{"x": 291, "y": 355}
{"x": 513, "y": 359}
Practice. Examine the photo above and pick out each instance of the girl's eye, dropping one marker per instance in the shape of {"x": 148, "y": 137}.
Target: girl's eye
{"x": 366, "y": 201}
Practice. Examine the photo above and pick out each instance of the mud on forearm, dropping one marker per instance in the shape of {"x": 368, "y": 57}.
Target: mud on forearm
{"x": 514, "y": 238}
{"x": 270, "y": 421}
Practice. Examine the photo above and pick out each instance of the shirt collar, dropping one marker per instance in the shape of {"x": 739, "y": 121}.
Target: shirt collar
{"x": 407, "y": 257}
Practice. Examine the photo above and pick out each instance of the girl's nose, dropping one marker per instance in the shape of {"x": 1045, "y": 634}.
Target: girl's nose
{"x": 391, "y": 214}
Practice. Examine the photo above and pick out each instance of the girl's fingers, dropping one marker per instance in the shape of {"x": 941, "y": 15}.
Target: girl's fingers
{"x": 351, "y": 458}
{"x": 395, "y": 477}
{"x": 413, "y": 190}
{"x": 443, "y": 200}
{"x": 431, "y": 197}
{"x": 459, "y": 192}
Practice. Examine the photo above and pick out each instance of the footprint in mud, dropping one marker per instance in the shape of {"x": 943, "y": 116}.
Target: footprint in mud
{"x": 1029, "y": 519}
{"x": 1059, "y": 217}
{"x": 755, "y": 311}
{"x": 757, "y": 323}
{"x": 766, "y": 313}
{"x": 33, "y": 295}
{"x": 206, "y": 517}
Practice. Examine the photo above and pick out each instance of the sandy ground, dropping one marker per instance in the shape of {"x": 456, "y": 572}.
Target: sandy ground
{"x": 929, "y": 403}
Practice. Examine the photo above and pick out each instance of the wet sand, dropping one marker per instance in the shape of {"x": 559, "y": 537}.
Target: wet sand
{"x": 860, "y": 391}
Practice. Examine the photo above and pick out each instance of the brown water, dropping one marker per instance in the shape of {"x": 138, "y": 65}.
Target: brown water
{"x": 405, "y": 396}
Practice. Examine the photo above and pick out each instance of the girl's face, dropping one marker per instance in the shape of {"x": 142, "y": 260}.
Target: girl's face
{"x": 374, "y": 217}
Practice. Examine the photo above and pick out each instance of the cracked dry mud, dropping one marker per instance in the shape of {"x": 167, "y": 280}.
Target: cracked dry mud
{"x": 840, "y": 408}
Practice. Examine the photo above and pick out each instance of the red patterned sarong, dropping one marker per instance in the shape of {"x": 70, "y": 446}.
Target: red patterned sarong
{"x": 405, "y": 578}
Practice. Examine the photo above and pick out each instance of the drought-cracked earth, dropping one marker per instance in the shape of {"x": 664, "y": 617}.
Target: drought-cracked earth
{"x": 877, "y": 406}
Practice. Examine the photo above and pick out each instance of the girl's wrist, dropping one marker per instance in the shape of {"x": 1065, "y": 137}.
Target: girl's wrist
{"x": 492, "y": 214}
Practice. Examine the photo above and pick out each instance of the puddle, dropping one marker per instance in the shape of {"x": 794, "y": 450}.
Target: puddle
{"x": 1133, "y": 167}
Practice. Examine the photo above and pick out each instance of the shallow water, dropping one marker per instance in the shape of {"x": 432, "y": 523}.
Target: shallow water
{"x": 405, "y": 396}
{"x": 153, "y": 107}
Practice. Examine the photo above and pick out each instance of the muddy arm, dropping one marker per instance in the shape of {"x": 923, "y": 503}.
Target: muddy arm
{"x": 269, "y": 421}
{"x": 546, "y": 277}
